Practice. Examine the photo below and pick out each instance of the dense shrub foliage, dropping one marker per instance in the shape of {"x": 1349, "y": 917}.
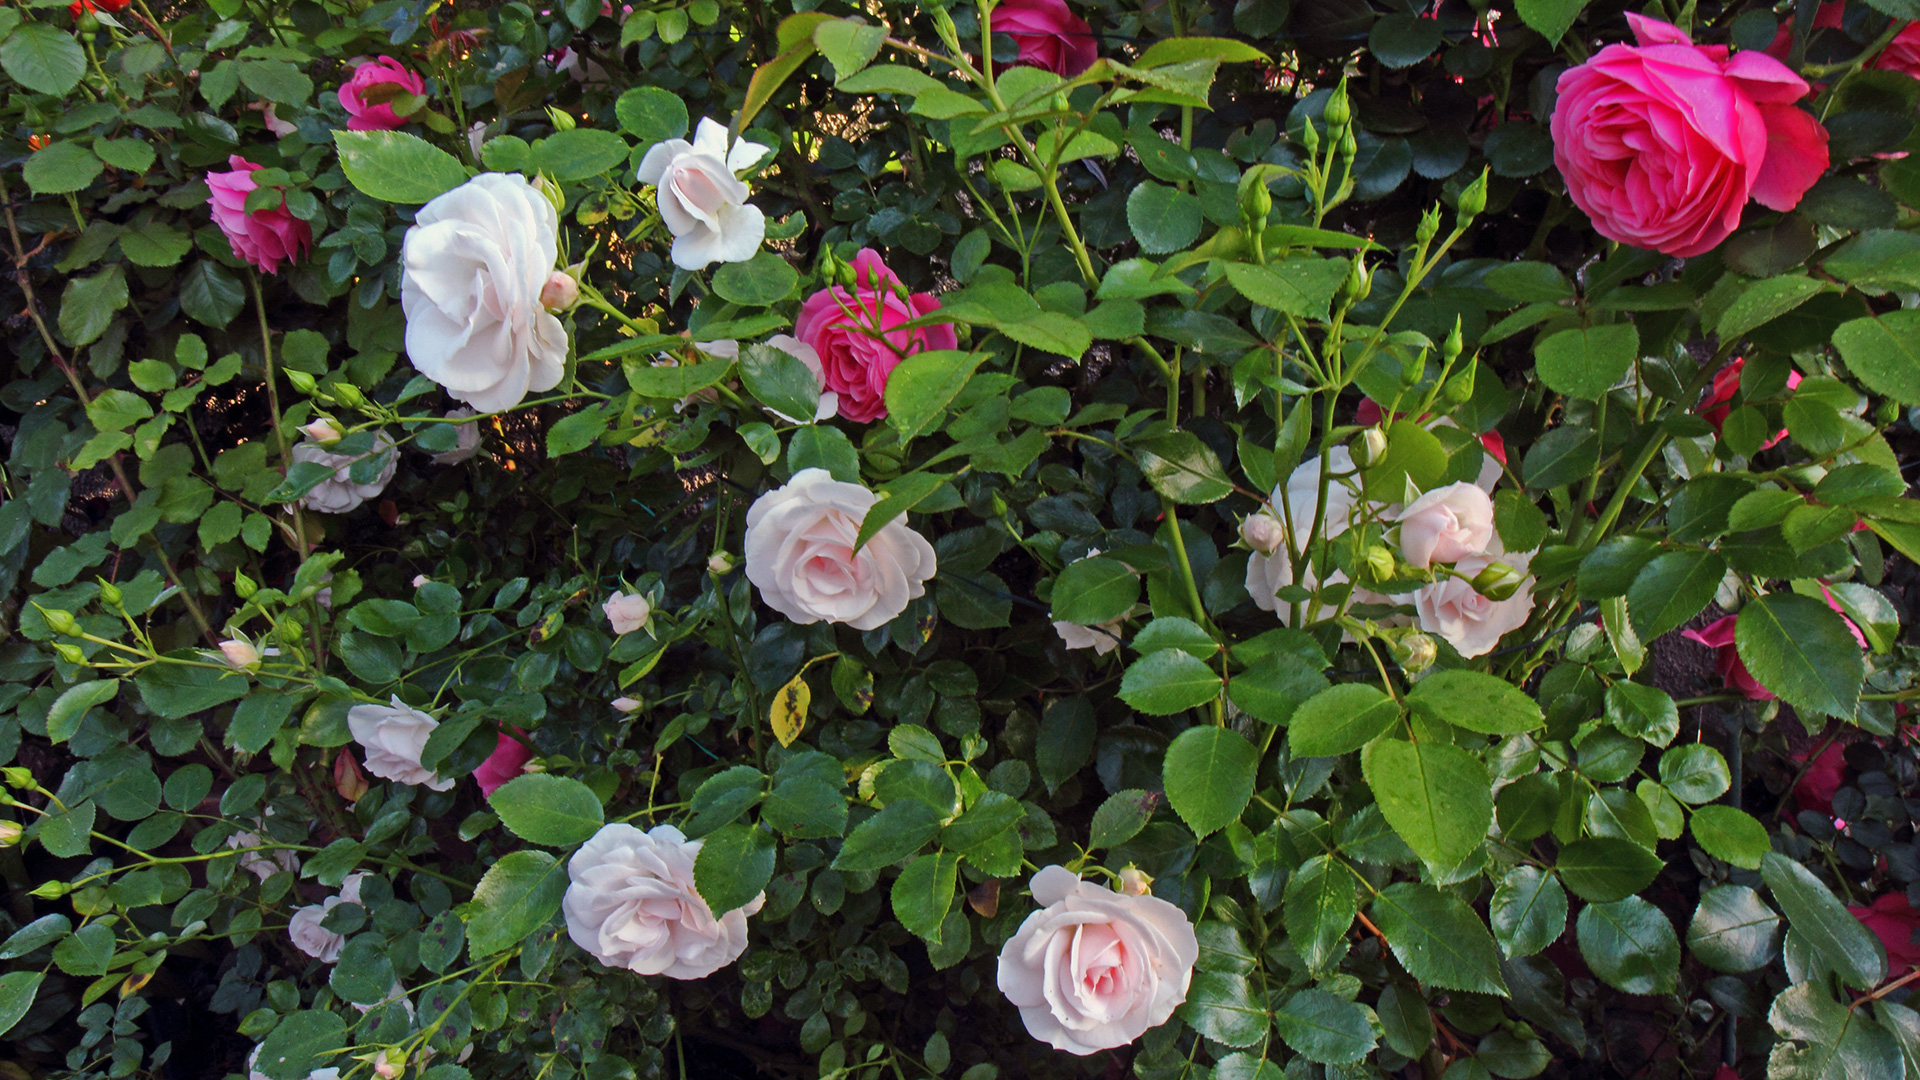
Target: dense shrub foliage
{"x": 1272, "y": 539}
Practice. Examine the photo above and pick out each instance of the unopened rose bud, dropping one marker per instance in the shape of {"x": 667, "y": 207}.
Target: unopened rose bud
{"x": 1310, "y": 138}
{"x": 720, "y": 563}
{"x": 1338, "y": 111}
{"x": 1371, "y": 448}
{"x": 560, "y": 292}
{"x": 9, "y": 833}
{"x": 51, "y": 890}
{"x": 625, "y": 704}
{"x": 17, "y": 776}
{"x": 561, "y": 119}
{"x": 1473, "y": 198}
{"x": 302, "y": 381}
{"x": 348, "y": 394}
{"x": 1429, "y": 226}
{"x": 1256, "y": 202}
{"x": 323, "y": 432}
{"x": 348, "y": 779}
{"x": 240, "y": 654}
{"x": 110, "y": 594}
{"x": 1380, "y": 563}
{"x": 1459, "y": 389}
{"x": 60, "y": 621}
{"x": 70, "y": 653}
{"x": 1415, "y": 653}
{"x": 1263, "y": 533}
{"x": 1414, "y": 370}
{"x": 1349, "y": 146}
{"x": 552, "y": 191}
{"x": 1359, "y": 282}
{"x": 1135, "y": 883}
{"x": 1498, "y": 581}
{"x": 1454, "y": 343}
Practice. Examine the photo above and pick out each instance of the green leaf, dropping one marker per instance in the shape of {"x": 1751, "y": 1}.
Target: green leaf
{"x": 1551, "y": 18}
{"x": 1733, "y": 930}
{"x": 1182, "y": 468}
{"x": 1730, "y": 834}
{"x": 1209, "y": 772}
{"x": 133, "y": 155}
{"x": 66, "y": 834}
{"x": 1168, "y": 682}
{"x": 1221, "y": 1007}
{"x": 651, "y": 114}
{"x": 1065, "y": 744}
{"x": 1801, "y": 650}
{"x": 553, "y": 811}
{"x": 1882, "y": 351}
{"x": 1179, "y": 50}
{"x": 1402, "y": 40}
{"x": 780, "y": 382}
{"x": 1438, "y": 939}
{"x": 42, "y": 58}
{"x": 516, "y": 897}
{"x": 1642, "y": 712}
{"x": 1340, "y": 720}
{"x": 577, "y": 431}
{"x": 37, "y": 934}
{"x": 897, "y": 831}
{"x": 1405, "y": 1018}
{"x": 675, "y": 383}
{"x": 1302, "y": 288}
{"x": 396, "y": 167}
{"x": 758, "y": 282}
{"x": 1586, "y": 363}
{"x": 924, "y": 891}
{"x": 1174, "y": 632}
{"x": 1476, "y": 702}
{"x": 1606, "y": 868}
{"x": 155, "y": 244}
{"x": 805, "y": 807}
{"x": 848, "y": 46}
{"x": 897, "y": 496}
{"x": 1324, "y": 1028}
{"x": 1121, "y": 817}
{"x": 821, "y": 447}
{"x": 919, "y": 389}
{"x": 1672, "y": 589}
{"x": 1094, "y": 591}
{"x": 116, "y": 410}
{"x": 1824, "y": 924}
{"x": 1766, "y": 300}
{"x": 1841, "y": 1043}
{"x": 177, "y": 691}
{"x": 1528, "y": 911}
{"x": 1413, "y": 454}
{"x": 1630, "y": 945}
{"x": 1318, "y": 907}
{"x": 1437, "y": 797}
{"x": 61, "y": 167}
{"x": 1162, "y": 218}
{"x": 63, "y": 720}
{"x": 574, "y": 155}
{"x": 211, "y": 295}
{"x": 17, "y": 991}
{"x": 733, "y": 867}
{"x": 302, "y": 1043}
{"x": 1695, "y": 773}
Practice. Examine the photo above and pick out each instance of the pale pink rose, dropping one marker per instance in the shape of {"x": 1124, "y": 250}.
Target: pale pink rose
{"x": 800, "y": 554}
{"x": 340, "y": 493}
{"x": 625, "y": 704}
{"x": 264, "y": 238}
{"x": 1471, "y": 623}
{"x": 1269, "y": 572}
{"x": 701, "y": 201}
{"x": 261, "y": 864}
{"x": 386, "y": 71}
{"x": 394, "y": 737}
{"x": 508, "y": 760}
{"x": 627, "y": 613}
{"x": 854, "y": 335}
{"x": 1662, "y": 143}
{"x": 1049, "y": 34}
{"x": 314, "y": 939}
{"x": 1094, "y": 969}
{"x": 632, "y": 904}
{"x": 1446, "y": 525}
{"x": 240, "y": 653}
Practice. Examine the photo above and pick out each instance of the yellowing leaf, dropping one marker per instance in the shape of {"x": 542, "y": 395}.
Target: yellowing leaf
{"x": 790, "y": 709}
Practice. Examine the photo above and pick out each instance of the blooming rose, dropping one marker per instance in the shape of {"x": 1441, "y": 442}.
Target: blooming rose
{"x": 632, "y": 904}
{"x": 474, "y": 263}
{"x": 1718, "y": 400}
{"x": 467, "y": 440}
{"x": 1893, "y": 921}
{"x": 853, "y": 334}
{"x": 1049, "y": 34}
{"x": 800, "y": 554}
{"x": 363, "y": 115}
{"x": 393, "y": 738}
{"x": 1093, "y": 968}
{"x": 703, "y": 203}
{"x": 829, "y": 404}
{"x": 261, "y": 864}
{"x": 508, "y": 760}
{"x": 627, "y": 613}
{"x": 1446, "y": 525}
{"x": 1471, "y": 623}
{"x": 264, "y": 238}
{"x": 1269, "y": 572}
{"x": 339, "y": 493}
{"x": 1662, "y": 143}
{"x": 314, "y": 939}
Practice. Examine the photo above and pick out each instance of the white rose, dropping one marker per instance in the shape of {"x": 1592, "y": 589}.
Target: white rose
{"x": 1471, "y": 623}
{"x": 703, "y": 203}
{"x": 338, "y": 494}
{"x": 261, "y": 864}
{"x": 468, "y": 436}
{"x": 829, "y": 406}
{"x": 1446, "y": 525}
{"x": 632, "y": 904}
{"x": 800, "y": 555}
{"x": 1094, "y": 969}
{"x": 1270, "y": 571}
{"x": 394, "y": 738}
{"x": 314, "y": 939}
{"x": 1102, "y": 639}
{"x": 474, "y": 263}
{"x": 627, "y": 613}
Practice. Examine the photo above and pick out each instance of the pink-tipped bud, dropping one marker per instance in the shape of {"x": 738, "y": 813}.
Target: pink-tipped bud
{"x": 626, "y": 704}
{"x": 1135, "y": 883}
{"x": 720, "y": 563}
{"x": 323, "y": 431}
{"x": 1263, "y": 533}
{"x": 240, "y": 654}
{"x": 560, "y": 292}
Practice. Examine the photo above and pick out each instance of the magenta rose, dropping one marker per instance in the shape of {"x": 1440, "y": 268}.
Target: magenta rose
{"x": 1663, "y": 143}
{"x": 855, "y": 336}
{"x": 364, "y": 115}
{"x": 265, "y": 238}
{"x": 508, "y": 760}
{"x": 1049, "y": 34}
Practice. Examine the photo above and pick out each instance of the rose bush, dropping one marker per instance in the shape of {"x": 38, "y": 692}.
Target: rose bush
{"x": 979, "y": 540}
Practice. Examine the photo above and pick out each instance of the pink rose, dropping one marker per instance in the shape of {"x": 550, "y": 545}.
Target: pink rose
{"x": 1472, "y": 623}
{"x": 364, "y": 115}
{"x": 1446, "y": 525}
{"x": 1718, "y": 401}
{"x": 265, "y": 238}
{"x": 1893, "y": 921}
{"x": 1049, "y": 34}
{"x": 854, "y": 335}
{"x": 508, "y": 760}
{"x": 1901, "y": 54}
{"x": 1718, "y": 635}
{"x": 1662, "y": 143}
{"x": 1822, "y": 780}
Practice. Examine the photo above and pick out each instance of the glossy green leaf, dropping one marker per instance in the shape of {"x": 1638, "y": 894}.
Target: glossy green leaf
{"x": 1340, "y": 720}
{"x": 1475, "y": 701}
{"x": 1734, "y": 930}
{"x": 1437, "y": 797}
{"x": 1630, "y": 945}
{"x": 1801, "y": 649}
{"x": 516, "y": 897}
{"x": 541, "y": 808}
{"x": 1823, "y": 923}
{"x": 1439, "y": 939}
{"x": 1528, "y": 911}
{"x": 1209, "y": 773}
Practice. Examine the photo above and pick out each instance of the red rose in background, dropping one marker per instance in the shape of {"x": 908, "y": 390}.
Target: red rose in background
{"x": 854, "y": 334}
{"x": 1662, "y": 143}
{"x": 1817, "y": 785}
{"x": 113, "y": 7}
{"x": 1049, "y": 34}
{"x": 1893, "y": 921}
{"x": 1718, "y": 635}
{"x": 1718, "y": 401}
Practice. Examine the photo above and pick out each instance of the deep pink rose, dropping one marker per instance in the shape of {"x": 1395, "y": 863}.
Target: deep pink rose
{"x": 1718, "y": 635}
{"x": 265, "y": 238}
{"x": 1662, "y": 143}
{"x": 1822, "y": 780}
{"x": 1901, "y": 54}
{"x": 508, "y": 760}
{"x": 1718, "y": 401}
{"x": 1049, "y": 34}
{"x": 854, "y": 335}
{"x": 365, "y": 116}
{"x": 1893, "y": 921}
